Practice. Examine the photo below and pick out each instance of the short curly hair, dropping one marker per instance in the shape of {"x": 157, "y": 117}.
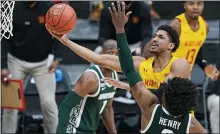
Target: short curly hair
{"x": 173, "y": 35}
{"x": 180, "y": 95}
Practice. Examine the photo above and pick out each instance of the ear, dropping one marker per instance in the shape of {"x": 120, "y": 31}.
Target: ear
{"x": 171, "y": 46}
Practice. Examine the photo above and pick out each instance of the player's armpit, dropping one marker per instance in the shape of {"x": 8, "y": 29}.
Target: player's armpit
{"x": 180, "y": 68}
{"x": 144, "y": 98}
{"x": 86, "y": 84}
{"x": 175, "y": 24}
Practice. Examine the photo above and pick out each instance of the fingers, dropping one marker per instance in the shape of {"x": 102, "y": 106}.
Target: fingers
{"x": 128, "y": 14}
{"x": 119, "y": 7}
{"x": 123, "y": 7}
{"x": 110, "y": 10}
{"x": 114, "y": 9}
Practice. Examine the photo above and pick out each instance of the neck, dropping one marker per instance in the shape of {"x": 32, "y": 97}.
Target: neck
{"x": 106, "y": 72}
{"x": 162, "y": 60}
{"x": 190, "y": 20}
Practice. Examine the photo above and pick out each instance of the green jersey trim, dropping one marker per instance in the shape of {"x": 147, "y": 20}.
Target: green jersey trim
{"x": 151, "y": 119}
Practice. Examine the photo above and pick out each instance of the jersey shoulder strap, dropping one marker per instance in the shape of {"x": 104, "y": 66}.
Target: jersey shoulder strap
{"x": 151, "y": 120}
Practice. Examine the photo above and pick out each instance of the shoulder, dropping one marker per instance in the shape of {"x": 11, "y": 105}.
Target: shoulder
{"x": 89, "y": 76}
{"x": 180, "y": 68}
{"x": 206, "y": 23}
{"x": 180, "y": 61}
{"x": 175, "y": 24}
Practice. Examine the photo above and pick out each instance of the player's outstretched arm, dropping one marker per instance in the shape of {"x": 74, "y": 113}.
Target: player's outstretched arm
{"x": 108, "y": 118}
{"x": 104, "y": 60}
{"x": 144, "y": 97}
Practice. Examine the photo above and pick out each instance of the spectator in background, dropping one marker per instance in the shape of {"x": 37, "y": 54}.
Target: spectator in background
{"x": 153, "y": 13}
{"x": 27, "y": 53}
{"x": 138, "y": 28}
{"x": 213, "y": 104}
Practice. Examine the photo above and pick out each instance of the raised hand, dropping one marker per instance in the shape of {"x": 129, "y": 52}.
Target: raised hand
{"x": 117, "y": 84}
{"x": 119, "y": 18}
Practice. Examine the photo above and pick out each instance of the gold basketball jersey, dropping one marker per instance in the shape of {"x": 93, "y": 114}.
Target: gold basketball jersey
{"x": 190, "y": 41}
{"x": 153, "y": 79}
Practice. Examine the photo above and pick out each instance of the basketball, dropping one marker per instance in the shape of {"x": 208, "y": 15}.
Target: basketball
{"x": 61, "y": 18}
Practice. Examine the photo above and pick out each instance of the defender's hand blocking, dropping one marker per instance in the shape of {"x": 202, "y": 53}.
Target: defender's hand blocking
{"x": 119, "y": 18}
{"x": 117, "y": 84}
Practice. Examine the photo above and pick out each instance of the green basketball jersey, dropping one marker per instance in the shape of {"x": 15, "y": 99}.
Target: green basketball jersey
{"x": 162, "y": 122}
{"x": 82, "y": 114}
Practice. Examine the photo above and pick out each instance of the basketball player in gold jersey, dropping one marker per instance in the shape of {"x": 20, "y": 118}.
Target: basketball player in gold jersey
{"x": 154, "y": 70}
{"x": 179, "y": 94}
{"x": 192, "y": 30}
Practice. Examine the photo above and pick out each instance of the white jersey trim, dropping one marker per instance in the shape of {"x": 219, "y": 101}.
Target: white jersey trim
{"x": 151, "y": 120}
{"x": 189, "y": 123}
{"x": 81, "y": 111}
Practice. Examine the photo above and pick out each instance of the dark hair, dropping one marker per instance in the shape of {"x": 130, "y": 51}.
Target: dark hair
{"x": 180, "y": 96}
{"x": 173, "y": 35}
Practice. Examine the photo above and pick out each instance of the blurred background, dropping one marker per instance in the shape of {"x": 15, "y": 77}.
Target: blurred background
{"x": 87, "y": 34}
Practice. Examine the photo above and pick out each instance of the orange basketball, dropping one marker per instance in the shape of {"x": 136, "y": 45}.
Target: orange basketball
{"x": 61, "y": 18}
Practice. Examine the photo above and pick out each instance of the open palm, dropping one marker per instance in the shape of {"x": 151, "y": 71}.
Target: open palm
{"x": 119, "y": 18}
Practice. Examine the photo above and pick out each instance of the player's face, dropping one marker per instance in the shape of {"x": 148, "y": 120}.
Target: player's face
{"x": 112, "y": 51}
{"x": 160, "y": 42}
{"x": 194, "y": 8}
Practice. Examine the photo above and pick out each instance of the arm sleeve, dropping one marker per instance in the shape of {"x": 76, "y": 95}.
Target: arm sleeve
{"x": 200, "y": 60}
{"x": 126, "y": 60}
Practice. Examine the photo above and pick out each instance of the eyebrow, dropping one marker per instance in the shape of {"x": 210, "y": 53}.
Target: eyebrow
{"x": 158, "y": 35}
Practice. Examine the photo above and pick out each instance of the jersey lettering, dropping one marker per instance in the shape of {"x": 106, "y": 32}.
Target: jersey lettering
{"x": 169, "y": 123}
{"x": 74, "y": 114}
{"x": 106, "y": 96}
{"x": 151, "y": 83}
